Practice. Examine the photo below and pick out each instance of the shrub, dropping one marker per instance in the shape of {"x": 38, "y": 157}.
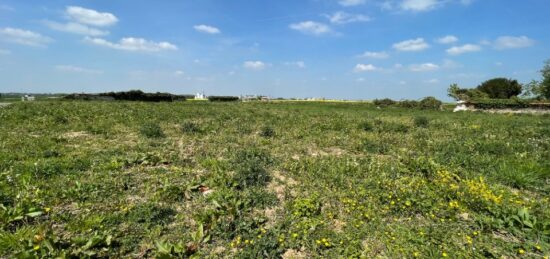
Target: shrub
{"x": 267, "y": 132}
{"x": 430, "y": 103}
{"x": 500, "y": 88}
{"x": 421, "y": 121}
{"x": 223, "y": 98}
{"x": 384, "y": 102}
{"x": 408, "y": 104}
{"x": 152, "y": 130}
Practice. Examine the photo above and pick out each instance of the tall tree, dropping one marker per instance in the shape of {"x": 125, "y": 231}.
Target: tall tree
{"x": 500, "y": 88}
{"x": 545, "y": 85}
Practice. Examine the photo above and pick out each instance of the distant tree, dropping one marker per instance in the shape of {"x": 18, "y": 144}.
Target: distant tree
{"x": 384, "y": 102}
{"x": 500, "y": 88}
{"x": 430, "y": 103}
{"x": 453, "y": 92}
{"x": 532, "y": 89}
{"x": 545, "y": 85}
{"x": 463, "y": 94}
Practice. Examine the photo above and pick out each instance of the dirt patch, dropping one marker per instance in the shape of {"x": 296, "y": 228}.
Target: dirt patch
{"x": 75, "y": 134}
{"x": 338, "y": 225}
{"x": 294, "y": 254}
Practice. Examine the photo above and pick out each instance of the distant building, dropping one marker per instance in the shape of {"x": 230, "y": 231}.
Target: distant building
{"x": 200, "y": 96}
{"x": 27, "y": 98}
{"x": 462, "y": 106}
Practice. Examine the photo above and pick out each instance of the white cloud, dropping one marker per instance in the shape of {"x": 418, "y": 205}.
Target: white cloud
{"x": 254, "y": 65}
{"x": 432, "y": 81}
{"x": 75, "y": 69}
{"x": 343, "y": 18}
{"x": 377, "y": 55}
{"x": 419, "y": 5}
{"x": 76, "y": 28}
{"x": 447, "y": 39}
{"x": 207, "y": 29}
{"x": 426, "y": 67}
{"x": 310, "y": 27}
{"x": 90, "y": 17}
{"x": 450, "y": 64}
{"x": 511, "y": 42}
{"x": 4, "y": 52}
{"x": 23, "y": 37}
{"x": 351, "y": 2}
{"x": 6, "y": 8}
{"x": 133, "y": 44}
{"x": 299, "y": 64}
{"x": 364, "y": 68}
{"x": 457, "y": 50}
{"x": 178, "y": 73}
{"x": 411, "y": 45}
{"x": 398, "y": 66}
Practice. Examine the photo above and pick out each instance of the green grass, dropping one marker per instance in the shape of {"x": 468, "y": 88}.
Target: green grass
{"x": 313, "y": 179}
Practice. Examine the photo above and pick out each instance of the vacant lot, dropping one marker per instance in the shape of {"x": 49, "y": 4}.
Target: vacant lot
{"x": 125, "y": 179}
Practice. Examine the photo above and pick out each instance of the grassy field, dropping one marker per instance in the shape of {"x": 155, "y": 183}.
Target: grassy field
{"x": 122, "y": 179}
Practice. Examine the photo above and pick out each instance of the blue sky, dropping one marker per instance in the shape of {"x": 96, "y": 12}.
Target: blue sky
{"x": 348, "y": 49}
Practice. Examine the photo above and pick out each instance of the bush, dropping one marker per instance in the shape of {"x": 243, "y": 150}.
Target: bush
{"x": 152, "y": 130}
{"x": 421, "y": 121}
{"x": 430, "y": 103}
{"x": 384, "y": 102}
{"x": 408, "y": 104}
{"x": 500, "y": 88}
{"x": 223, "y": 98}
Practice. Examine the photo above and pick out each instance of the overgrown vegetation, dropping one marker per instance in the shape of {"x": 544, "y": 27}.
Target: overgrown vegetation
{"x": 223, "y": 98}
{"x": 427, "y": 103}
{"x": 263, "y": 180}
{"x": 133, "y": 95}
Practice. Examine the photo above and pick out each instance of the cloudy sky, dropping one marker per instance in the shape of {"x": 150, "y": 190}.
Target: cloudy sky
{"x": 352, "y": 49}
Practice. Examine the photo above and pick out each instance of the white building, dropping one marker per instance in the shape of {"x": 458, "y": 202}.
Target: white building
{"x": 461, "y": 106}
{"x": 27, "y": 98}
{"x": 200, "y": 96}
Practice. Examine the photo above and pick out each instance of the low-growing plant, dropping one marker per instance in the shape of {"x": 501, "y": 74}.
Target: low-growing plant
{"x": 267, "y": 132}
{"x": 421, "y": 121}
{"x": 366, "y": 126}
{"x": 152, "y": 130}
{"x": 190, "y": 127}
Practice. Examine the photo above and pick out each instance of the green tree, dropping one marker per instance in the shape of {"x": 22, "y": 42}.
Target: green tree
{"x": 463, "y": 94}
{"x": 532, "y": 89}
{"x": 500, "y": 88}
{"x": 545, "y": 85}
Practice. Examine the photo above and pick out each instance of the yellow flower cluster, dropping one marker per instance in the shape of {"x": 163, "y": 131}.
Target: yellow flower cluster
{"x": 325, "y": 242}
{"x": 481, "y": 190}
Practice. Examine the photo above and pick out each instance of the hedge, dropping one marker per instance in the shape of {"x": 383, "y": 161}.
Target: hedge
{"x": 507, "y": 104}
{"x": 133, "y": 95}
{"x": 223, "y": 98}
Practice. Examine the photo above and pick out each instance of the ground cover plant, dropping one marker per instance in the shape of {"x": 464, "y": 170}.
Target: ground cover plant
{"x": 269, "y": 180}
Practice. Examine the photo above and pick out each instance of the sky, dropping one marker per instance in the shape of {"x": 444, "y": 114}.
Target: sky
{"x": 342, "y": 49}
